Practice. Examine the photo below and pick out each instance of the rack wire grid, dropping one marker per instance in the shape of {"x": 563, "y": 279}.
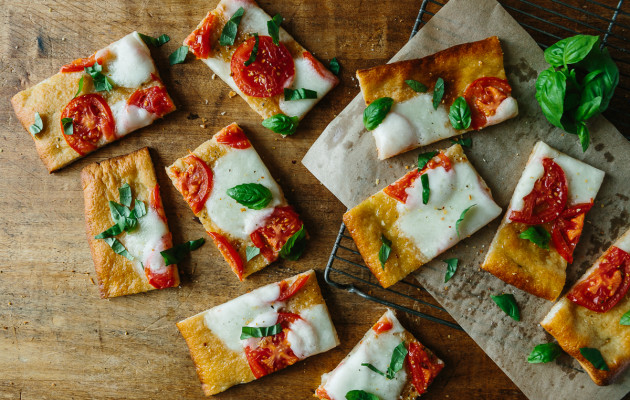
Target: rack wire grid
{"x": 547, "y": 21}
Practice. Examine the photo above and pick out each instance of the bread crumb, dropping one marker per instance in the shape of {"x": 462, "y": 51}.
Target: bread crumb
{"x": 232, "y": 93}
{"x": 214, "y": 76}
{"x": 92, "y": 280}
{"x": 377, "y": 181}
{"x": 223, "y": 113}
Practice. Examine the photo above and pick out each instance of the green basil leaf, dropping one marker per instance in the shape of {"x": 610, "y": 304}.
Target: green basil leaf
{"x": 438, "y": 92}
{"x": 537, "y": 235}
{"x": 281, "y": 124}
{"x": 110, "y": 232}
{"x": 122, "y": 216}
{"x": 251, "y": 195}
{"x": 451, "y": 268}
{"x": 334, "y": 66}
{"x": 373, "y": 368}
{"x": 251, "y": 252}
{"x": 254, "y": 53}
{"x": 426, "y": 189}
{"x": 554, "y": 54}
{"x": 578, "y": 47}
{"x": 118, "y": 248}
{"x": 273, "y": 27}
{"x": 551, "y": 87}
{"x": 507, "y": 303}
{"x": 591, "y": 75}
{"x": 594, "y": 356}
{"x": 178, "y": 56}
{"x": 125, "y": 195}
{"x": 589, "y": 109}
{"x": 299, "y": 94}
{"x": 424, "y": 158}
{"x": 37, "y": 126}
{"x": 584, "y": 136}
{"x": 397, "y": 361}
{"x": 68, "y": 126}
{"x": 625, "y": 319}
{"x": 376, "y": 112}
{"x": 544, "y": 353}
{"x": 176, "y": 254}
{"x": 228, "y": 34}
{"x": 294, "y": 247}
{"x": 416, "y": 86}
{"x": 461, "y": 218}
{"x": 157, "y": 42}
{"x": 464, "y": 142}
{"x": 139, "y": 210}
{"x": 606, "y": 82}
{"x": 385, "y": 250}
{"x": 80, "y": 89}
{"x": 459, "y": 114}
{"x": 257, "y": 332}
{"x": 361, "y": 395}
{"x": 101, "y": 82}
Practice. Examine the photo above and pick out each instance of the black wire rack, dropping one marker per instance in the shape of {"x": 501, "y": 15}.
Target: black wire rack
{"x": 547, "y": 21}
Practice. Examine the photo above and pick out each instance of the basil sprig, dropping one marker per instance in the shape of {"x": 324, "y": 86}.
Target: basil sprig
{"x": 567, "y": 102}
{"x": 385, "y": 250}
{"x": 101, "y": 82}
{"x": 544, "y": 353}
{"x": 251, "y": 252}
{"x": 257, "y": 332}
{"x": 80, "y": 89}
{"x": 416, "y": 86}
{"x": 438, "y": 92}
{"x": 157, "y": 42}
{"x": 37, "y": 126}
{"x": 594, "y": 356}
{"x": 176, "y": 254}
{"x": 178, "y": 56}
{"x": 294, "y": 246}
{"x": 68, "y": 126}
{"x": 281, "y": 124}
{"x": 537, "y": 235}
{"x": 118, "y": 248}
{"x": 361, "y": 395}
{"x": 459, "y": 114}
{"x": 334, "y": 66}
{"x": 426, "y": 189}
{"x": 299, "y": 94}
{"x": 507, "y": 303}
{"x": 424, "y": 158}
{"x": 228, "y": 34}
{"x": 464, "y": 142}
{"x": 376, "y": 112}
{"x": 251, "y": 195}
{"x": 125, "y": 219}
{"x": 254, "y": 53}
{"x": 396, "y": 363}
{"x": 461, "y": 219}
{"x": 451, "y": 268}
{"x": 273, "y": 27}
{"x": 625, "y": 319}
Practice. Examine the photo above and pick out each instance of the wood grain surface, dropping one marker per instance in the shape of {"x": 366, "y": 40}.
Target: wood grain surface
{"x": 58, "y": 339}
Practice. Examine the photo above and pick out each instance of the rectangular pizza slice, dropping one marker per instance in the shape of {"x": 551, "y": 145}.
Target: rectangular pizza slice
{"x": 229, "y": 188}
{"x": 126, "y": 225}
{"x": 442, "y": 95}
{"x": 259, "y": 333}
{"x": 260, "y": 61}
{"x": 591, "y": 321}
{"x": 421, "y": 215}
{"x": 389, "y": 363}
{"x": 543, "y": 223}
{"x": 93, "y": 101}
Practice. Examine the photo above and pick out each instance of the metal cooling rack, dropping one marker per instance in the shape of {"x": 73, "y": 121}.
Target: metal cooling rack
{"x": 345, "y": 268}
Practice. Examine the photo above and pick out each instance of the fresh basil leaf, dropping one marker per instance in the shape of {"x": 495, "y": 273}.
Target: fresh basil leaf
{"x": 361, "y": 395}
{"x": 424, "y": 158}
{"x": 80, "y": 89}
{"x": 110, "y": 232}
{"x": 101, "y": 82}
{"x": 228, "y": 34}
{"x": 507, "y": 303}
{"x": 118, "y": 248}
{"x": 176, "y": 254}
{"x": 577, "y": 48}
{"x": 590, "y": 76}
{"x": 257, "y": 332}
{"x": 68, "y": 126}
{"x": 464, "y": 142}
{"x": 273, "y": 27}
{"x": 254, "y": 53}
{"x": 299, "y": 94}
{"x": 251, "y": 252}
{"x": 178, "y": 56}
{"x": 584, "y": 136}
{"x": 373, "y": 368}
{"x": 122, "y": 216}
{"x": 157, "y": 42}
{"x": 589, "y": 109}
{"x": 459, "y": 114}
{"x": 376, "y": 112}
{"x": 397, "y": 361}
{"x": 125, "y": 195}
{"x": 416, "y": 86}
{"x": 554, "y": 53}
{"x": 426, "y": 189}
{"x": 385, "y": 250}
{"x": 594, "y": 356}
{"x": 438, "y": 92}
{"x": 537, "y": 235}
{"x": 625, "y": 319}
{"x": 281, "y": 124}
{"x": 544, "y": 353}
{"x": 334, "y": 66}
{"x": 251, "y": 195}
{"x": 37, "y": 126}
{"x": 551, "y": 87}
{"x": 451, "y": 268}
{"x": 461, "y": 218}
{"x": 294, "y": 247}
{"x": 140, "y": 209}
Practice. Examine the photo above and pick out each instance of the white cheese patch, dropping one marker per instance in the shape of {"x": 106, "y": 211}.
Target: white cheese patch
{"x": 394, "y": 135}
{"x": 432, "y": 226}
{"x": 313, "y": 333}
{"x": 583, "y": 180}
{"x": 506, "y": 110}
{"x": 128, "y": 118}
{"x": 306, "y": 77}
{"x": 234, "y": 168}
{"x": 145, "y": 242}
{"x": 129, "y": 64}
{"x": 623, "y": 242}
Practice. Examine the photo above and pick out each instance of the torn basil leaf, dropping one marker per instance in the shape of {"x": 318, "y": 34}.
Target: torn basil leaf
{"x": 507, "y": 303}
{"x": 254, "y": 53}
{"x": 299, "y": 94}
{"x": 424, "y": 158}
{"x": 176, "y": 254}
{"x": 334, "y": 66}
{"x": 544, "y": 353}
{"x": 376, "y": 112}
{"x": 101, "y": 82}
{"x": 438, "y": 92}
{"x": 464, "y": 142}
{"x": 257, "y": 332}
{"x": 595, "y": 357}
{"x": 124, "y": 193}
{"x": 537, "y": 235}
{"x": 113, "y": 230}
{"x": 459, "y": 114}
{"x": 251, "y": 252}
{"x": 68, "y": 126}
{"x": 625, "y": 319}
{"x": 156, "y": 42}
{"x": 451, "y": 268}
{"x": 80, "y": 89}
{"x": 228, "y": 34}
{"x": 118, "y": 248}
{"x": 416, "y": 86}
{"x": 273, "y": 27}
{"x": 37, "y": 126}
{"x": 294, "y": 247}
{"x": 385, "y": 250}
{"x": 140, "y": 209}
{"x": 281, "y": 124}
{"x": 361, "y": 395}
{"x": 251, "y": 195}
{"x": 426, "y": 189}
{"x": 396, "y": 363}
{"x": 178, "y": 56}
{"x": 461, "y": 218}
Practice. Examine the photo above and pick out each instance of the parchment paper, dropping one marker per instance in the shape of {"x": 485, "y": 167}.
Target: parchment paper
{"x": 344, "y": 160}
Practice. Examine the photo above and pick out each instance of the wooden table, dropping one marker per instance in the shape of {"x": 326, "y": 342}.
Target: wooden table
{"x": 58, "y": 339}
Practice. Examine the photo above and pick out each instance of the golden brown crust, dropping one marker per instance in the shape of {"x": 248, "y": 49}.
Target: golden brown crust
{"x": 117, "y": 276}
{"x": 458, "y": 66}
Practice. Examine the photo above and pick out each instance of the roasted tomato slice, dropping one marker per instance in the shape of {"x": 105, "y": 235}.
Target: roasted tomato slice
{"x": 547, "y": 199}
{"x": 272, "y": 71}
{"x": 156, "y": 202}
{"x": 567, "y": 229}
{"x": 154, "y": 99}
{"x": 398, "y": 189}
{"x": 382, "y": 326}
{"x": 286, "y": 291}
{"x": 233, "y": 136}
{"x": 483, "y": 97}
{"x": 279, "y": 227}
{"x": 79, "y": 64}
{"x": 160, "y": 276}
{"x": 199, "y": 40}
{"x": 195, "y": 183}
{"x": 91, "y": 120}
{"x": 229, "y": 253}
{"x": 606, "y": 285}
{"x": 322, "y": 394}
{"x": 423, "y": 368}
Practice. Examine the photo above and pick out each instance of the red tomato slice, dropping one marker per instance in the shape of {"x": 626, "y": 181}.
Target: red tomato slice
{"x": 483, "y": 97}
{"x": 79, "y": 64}
{"x": 165, "y": 277}
{"x": 547, "y": 199}
{"x": 322, "y": 394}
{"x": 229, "y": 253}
{"x": 397, "y": 190}
{"x": 156, "y": 203}
{"x": 606, "y": 285}
{"x": 279, "y": 227}
{"x": 91, "y": 119}
{"x": 382, "y": 326}
{"x": 319, "y": 67}
{"x": 567, "y": 229}
{"x": 423, "y": 370}
{"x": 286, "y": 291}
{"x": 199, "y": 40}
{"x": 195, "y": 183}
{"x": 272, "y": 71}
{"x": 233, "y": 136}
{"x": 154, "y": 99}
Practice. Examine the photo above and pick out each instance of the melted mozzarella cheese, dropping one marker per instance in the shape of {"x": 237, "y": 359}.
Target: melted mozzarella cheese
{"x": 583, "y": 181}
{"x": 306, "y": 77}
{"x": 506, "y": 110}
{"x": 131, "y": 64}
{"x": 234, "y": 168}
{"x": 432, "y": 226}
{"x": 145, "y": 242}
{"x": 313, "y": 333}
{"x": 128, "y": 118}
